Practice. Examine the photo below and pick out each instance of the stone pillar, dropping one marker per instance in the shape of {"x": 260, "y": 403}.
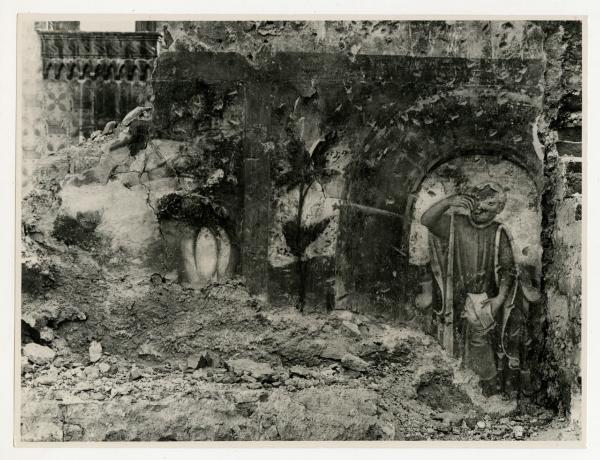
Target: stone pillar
{"x": 257, "y": 188}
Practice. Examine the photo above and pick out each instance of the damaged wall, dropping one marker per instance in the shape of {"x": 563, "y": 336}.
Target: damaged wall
{"x": 304, "y": 146}
{"x": 561, "y": 129}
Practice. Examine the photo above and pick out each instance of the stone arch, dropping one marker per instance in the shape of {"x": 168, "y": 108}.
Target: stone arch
{"x": 126, "y": 70}
{"x": 110, "y": 71}
{"x": 73, "y": 70}
{"x": 47, "y": 69}
{"x": 142, "y": 67}
{"x": 394, "y": 157}
{"x": 487, "y": 151}
{"x": 60, "y": 71}
{"x": 86, "y": 71}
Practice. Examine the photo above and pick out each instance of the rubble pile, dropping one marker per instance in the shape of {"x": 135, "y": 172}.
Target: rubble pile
{"x": 261, "y": 373}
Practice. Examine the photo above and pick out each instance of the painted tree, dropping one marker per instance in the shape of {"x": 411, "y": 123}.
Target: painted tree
{"x": 308, "y": 165}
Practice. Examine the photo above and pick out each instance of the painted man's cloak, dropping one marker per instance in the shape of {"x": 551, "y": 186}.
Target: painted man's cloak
{"x": 468, "y": 261}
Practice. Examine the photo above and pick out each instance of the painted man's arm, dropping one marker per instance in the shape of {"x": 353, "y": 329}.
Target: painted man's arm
{"x": 432, "y": 217}
{"x": 505, "y": 285}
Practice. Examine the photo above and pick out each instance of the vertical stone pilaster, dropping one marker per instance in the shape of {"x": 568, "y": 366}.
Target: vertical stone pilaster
{"x": 257, "y": 189}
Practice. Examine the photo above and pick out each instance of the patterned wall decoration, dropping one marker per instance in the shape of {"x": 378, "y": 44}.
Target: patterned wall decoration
{"x": 87, "y": 79}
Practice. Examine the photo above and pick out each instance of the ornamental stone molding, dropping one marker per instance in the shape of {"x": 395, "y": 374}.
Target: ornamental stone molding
{"x": 98, "y": 55}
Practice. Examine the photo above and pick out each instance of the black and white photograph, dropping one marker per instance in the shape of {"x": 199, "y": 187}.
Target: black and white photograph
{"x": 320, "y": 230}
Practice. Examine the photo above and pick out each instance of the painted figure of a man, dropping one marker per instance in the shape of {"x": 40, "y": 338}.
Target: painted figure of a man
{"x": 473, "y": 263}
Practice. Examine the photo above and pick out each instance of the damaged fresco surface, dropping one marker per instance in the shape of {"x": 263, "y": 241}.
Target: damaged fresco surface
{"x": 235, "y": 251}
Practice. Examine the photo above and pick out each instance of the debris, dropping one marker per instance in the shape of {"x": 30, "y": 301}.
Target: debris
{"x": 95, "y": 134}
{"x": 300, "y": 371}
{"x": 260, "y": 371}
{"x": 200, "y": 374}
{"x": 47, "y": 334}
{"x": 134, "y": 115}
{"x": 333, "y": 351}
{"x": 354, "y": 363}
{"x": 381, "y": 431}
{"x": 351, "y": 327}
{"x": 25, "y": 365}
{"x": 193, "y": 362}
{"x": 135, "y": 373}
{"x": 450, "y": 418}
{"x": 95, "y": 351}
{"x": 38, "y": 354}
{"x": 518, "y": 431}
{"x": 84, "y": 386}
{"x": 49, "y": 378}
{"x": 104, "y": 367}
{"x": 109, "y": 127}
{"x": 343, "y": 314}
{"x": 149, "y": 350}
{"x": 91, "y": 372}
{"x": 481, "y": 424}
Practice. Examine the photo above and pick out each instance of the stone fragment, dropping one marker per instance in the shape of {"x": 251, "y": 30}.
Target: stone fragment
{"x": 43, "y": 431}
{"x": 72, "y": 432}
{"x": 450, "y": 418}
{"x": 518, "y": 432}
{"x": 60, "y": 345}
{"x": 351, "y": 327}
{"x": 200, "y": 374}
{"x": 109, "y": 127}
{"x": 149, "y": 350}
{"x": 354, "y": 363}
{"x": 38, "y": 354}
{"x": 333, "y": 351}
{"x": 104, "y": 367}
{"x": 120, "y": 390}
{"x": 95, "y": 351}
{"x": 481, "y": 424}
{"x": 91, "y": 373}
{"x": 49, "y": 378}
{"x": 84, "y": 386}
{"x": 135, "y": 373}
{"x": 47, "y": 334}
{"x": 134, "y": 115}
{"x": 25, "y": 365}
{"x": 95, "y": 134}
{"x": 193, "y": 362}
{"x": 59, "y": 362}
{"x": 301, "y": 371}
{"x": 260, "y": 371}
{"x": 381, "y": 431}
{"x": 343, "y": 314}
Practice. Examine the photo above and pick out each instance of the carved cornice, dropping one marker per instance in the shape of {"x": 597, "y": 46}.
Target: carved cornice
{"x": 98, "y": 55}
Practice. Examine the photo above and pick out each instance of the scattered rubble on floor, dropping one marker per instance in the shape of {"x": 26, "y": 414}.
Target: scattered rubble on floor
{"x": 275, "y": 375}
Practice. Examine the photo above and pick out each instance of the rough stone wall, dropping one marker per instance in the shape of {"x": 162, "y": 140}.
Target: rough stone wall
{"x": 257, "y": 39}
{"x": 562, "y": 225}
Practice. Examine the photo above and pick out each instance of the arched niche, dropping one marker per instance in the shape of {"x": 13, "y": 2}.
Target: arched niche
{"x": 522, "y": 214}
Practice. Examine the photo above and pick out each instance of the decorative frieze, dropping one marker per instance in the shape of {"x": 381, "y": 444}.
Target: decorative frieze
{"x": 98, "y": 55}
